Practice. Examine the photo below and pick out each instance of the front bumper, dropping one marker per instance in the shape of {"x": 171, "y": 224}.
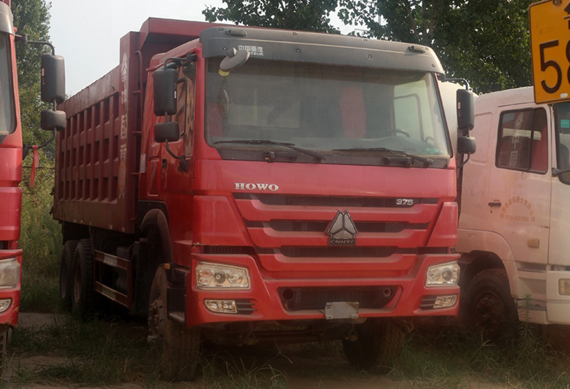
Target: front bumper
{"x": 10, "y": 315}
{"x": 271, "y": 295}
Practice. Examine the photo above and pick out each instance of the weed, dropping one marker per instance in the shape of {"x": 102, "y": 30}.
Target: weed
{"x": 223, "y": 371}
{"x": 40, "y": 240}
{"x": 99, "y": 353}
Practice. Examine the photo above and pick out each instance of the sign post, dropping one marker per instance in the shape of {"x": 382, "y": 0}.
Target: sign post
{"x": 550, "y": 48}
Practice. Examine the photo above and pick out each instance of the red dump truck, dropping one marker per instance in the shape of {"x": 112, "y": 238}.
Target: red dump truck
{"x": 246, "y": 184}
{"x": 11, "y": 164}
{"x": 10, "y": 177}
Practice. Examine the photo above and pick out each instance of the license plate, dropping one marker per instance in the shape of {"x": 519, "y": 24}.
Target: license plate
{"x": 341, "y": 310}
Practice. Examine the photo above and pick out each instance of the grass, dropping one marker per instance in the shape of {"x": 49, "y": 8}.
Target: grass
{"x": 41, "y": 242}
{"x": 453, "y": 358}
{"x": 103, "y": 353}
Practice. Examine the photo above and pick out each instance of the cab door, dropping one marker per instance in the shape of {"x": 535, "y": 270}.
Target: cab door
{"x": 520, "y": 186}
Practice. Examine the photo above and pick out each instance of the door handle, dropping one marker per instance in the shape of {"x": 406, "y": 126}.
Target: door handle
{"x": 495, "y": 203}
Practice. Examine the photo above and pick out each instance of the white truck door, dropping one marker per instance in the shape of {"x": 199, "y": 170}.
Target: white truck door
{"x": 519, "y": 190}
{"x": 558, "y": 296}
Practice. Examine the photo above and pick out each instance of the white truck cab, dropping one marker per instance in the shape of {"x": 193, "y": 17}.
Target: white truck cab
{"x": 514, "y": 225}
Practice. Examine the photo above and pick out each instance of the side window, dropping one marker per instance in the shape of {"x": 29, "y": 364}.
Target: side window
{"x": 185, "y": 93}
{"x": 523, "y": 141}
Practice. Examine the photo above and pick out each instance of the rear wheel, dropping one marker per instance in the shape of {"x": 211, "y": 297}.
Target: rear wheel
{"x": 490, "y": 308}
{"x": 83, "y": 293}
{"x": 66, "y": 272}
{"x": 378, "y": 346}
{"x": 177, "y": 348}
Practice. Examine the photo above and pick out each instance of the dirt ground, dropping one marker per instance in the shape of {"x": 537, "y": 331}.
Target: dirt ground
{"x": 299, "y": 369}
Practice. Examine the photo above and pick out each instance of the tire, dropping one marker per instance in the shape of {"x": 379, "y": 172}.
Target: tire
{"x": 66, "y": 273}
{"x": 176, "y": 347}
{"x": 4, "y": 336}
{"x": 82, "y": 298}
{"x": 490, "y": 308}
{"x": 378, "y": 346}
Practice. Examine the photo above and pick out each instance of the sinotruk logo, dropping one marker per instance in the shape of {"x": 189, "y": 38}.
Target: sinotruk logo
{"x": 342, "y": 230}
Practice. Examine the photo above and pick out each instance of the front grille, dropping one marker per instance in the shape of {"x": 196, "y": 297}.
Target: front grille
{"x": 245, "y": 307}
{"x": 428, "y": 302}
{"x": 291, "y": 232}
{"x": 344, "y": 251}
{"x": 297, "y": 299}
{"x": 332, "y": 201}
{"x": 337, "y": 252}
{"x": 291, "y": 225}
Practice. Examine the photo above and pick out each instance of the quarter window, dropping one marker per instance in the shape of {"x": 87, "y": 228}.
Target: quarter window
{"x": 7, "y": 111}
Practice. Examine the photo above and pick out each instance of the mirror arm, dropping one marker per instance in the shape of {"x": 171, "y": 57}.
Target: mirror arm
{"x": 183, "y": 162}
{"x": 24, "y": 39}
{"x": 557, "y": 172}
{"x": 26, "y": 148}
{"x": 464, "y": 162}
{"x": 53, "y": 132}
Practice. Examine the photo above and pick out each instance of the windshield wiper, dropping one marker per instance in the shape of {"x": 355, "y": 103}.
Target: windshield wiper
{"x": 398, "y": 156}
{"x": 292, "y": 146}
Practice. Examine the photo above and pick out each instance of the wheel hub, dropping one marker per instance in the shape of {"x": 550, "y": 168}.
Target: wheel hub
{"x": 156, "y": 321}
{"x": 489, "y": 315}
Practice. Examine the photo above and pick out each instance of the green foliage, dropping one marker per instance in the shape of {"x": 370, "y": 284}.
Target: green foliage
{"x": 40, "y": 240}
{"x": 486, "y": 42}
{"x": 304, "y": 15}
{"x": 31, "y": 17}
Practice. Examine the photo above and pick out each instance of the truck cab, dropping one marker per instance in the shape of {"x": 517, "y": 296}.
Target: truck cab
{"x": 514, "y": 214}
{"x": 10, "y": 177}
{"x": 235, "y": 181}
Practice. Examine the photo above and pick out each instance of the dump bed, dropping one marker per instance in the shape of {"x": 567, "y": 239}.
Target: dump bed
{"x": 97, "y": 160}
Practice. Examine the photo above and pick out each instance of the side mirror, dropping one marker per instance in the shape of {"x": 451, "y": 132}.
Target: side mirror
{"x": 166, "y": 132}
{"x": 53, "y": 78}
{"x": 164, "y": 91}
{"x": 465, "y": 110}
{"x": 466, "y": 145}
{"x": 53, "y": 120}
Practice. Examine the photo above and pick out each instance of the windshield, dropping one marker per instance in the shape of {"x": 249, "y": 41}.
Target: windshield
{"x": 7, "y": 113}
{"x": 343, "y": 113}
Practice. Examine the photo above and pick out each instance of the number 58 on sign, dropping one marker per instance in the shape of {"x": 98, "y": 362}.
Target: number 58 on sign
{"x": 550, "y": 47}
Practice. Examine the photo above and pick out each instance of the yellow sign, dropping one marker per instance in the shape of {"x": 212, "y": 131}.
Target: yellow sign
{"x": 550, "y": 48}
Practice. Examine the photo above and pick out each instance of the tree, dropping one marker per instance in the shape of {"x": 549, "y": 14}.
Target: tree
{"x": 305, "y": 15}
{"x": 31, "y": 17}
{"x": 484, "y": 41}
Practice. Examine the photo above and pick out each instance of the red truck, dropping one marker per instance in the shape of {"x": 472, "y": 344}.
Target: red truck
{"x": 247, "y": 184}
{"x": 11, "y": 165}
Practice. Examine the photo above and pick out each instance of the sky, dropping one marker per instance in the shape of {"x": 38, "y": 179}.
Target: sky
{"x": 87, "y": 33}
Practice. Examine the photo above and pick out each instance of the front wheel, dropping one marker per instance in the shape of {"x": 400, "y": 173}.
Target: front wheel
{"x": 82, "y": 298}
{"x": 177, "y": 348}
{"x": 66, "y": 272}
{"x": 378, "y": 346}
{"x": 489, "y": 306}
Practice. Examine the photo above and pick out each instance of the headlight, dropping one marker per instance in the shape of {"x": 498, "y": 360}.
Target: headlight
{"x": 5, "y": 304}
{"x": 9, "y": 273}
{"x": 446, "y": 274}
{"x": 209, "y": 275}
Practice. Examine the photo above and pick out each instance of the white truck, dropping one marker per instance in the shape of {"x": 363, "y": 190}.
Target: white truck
{"x": 514, "y": 224}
